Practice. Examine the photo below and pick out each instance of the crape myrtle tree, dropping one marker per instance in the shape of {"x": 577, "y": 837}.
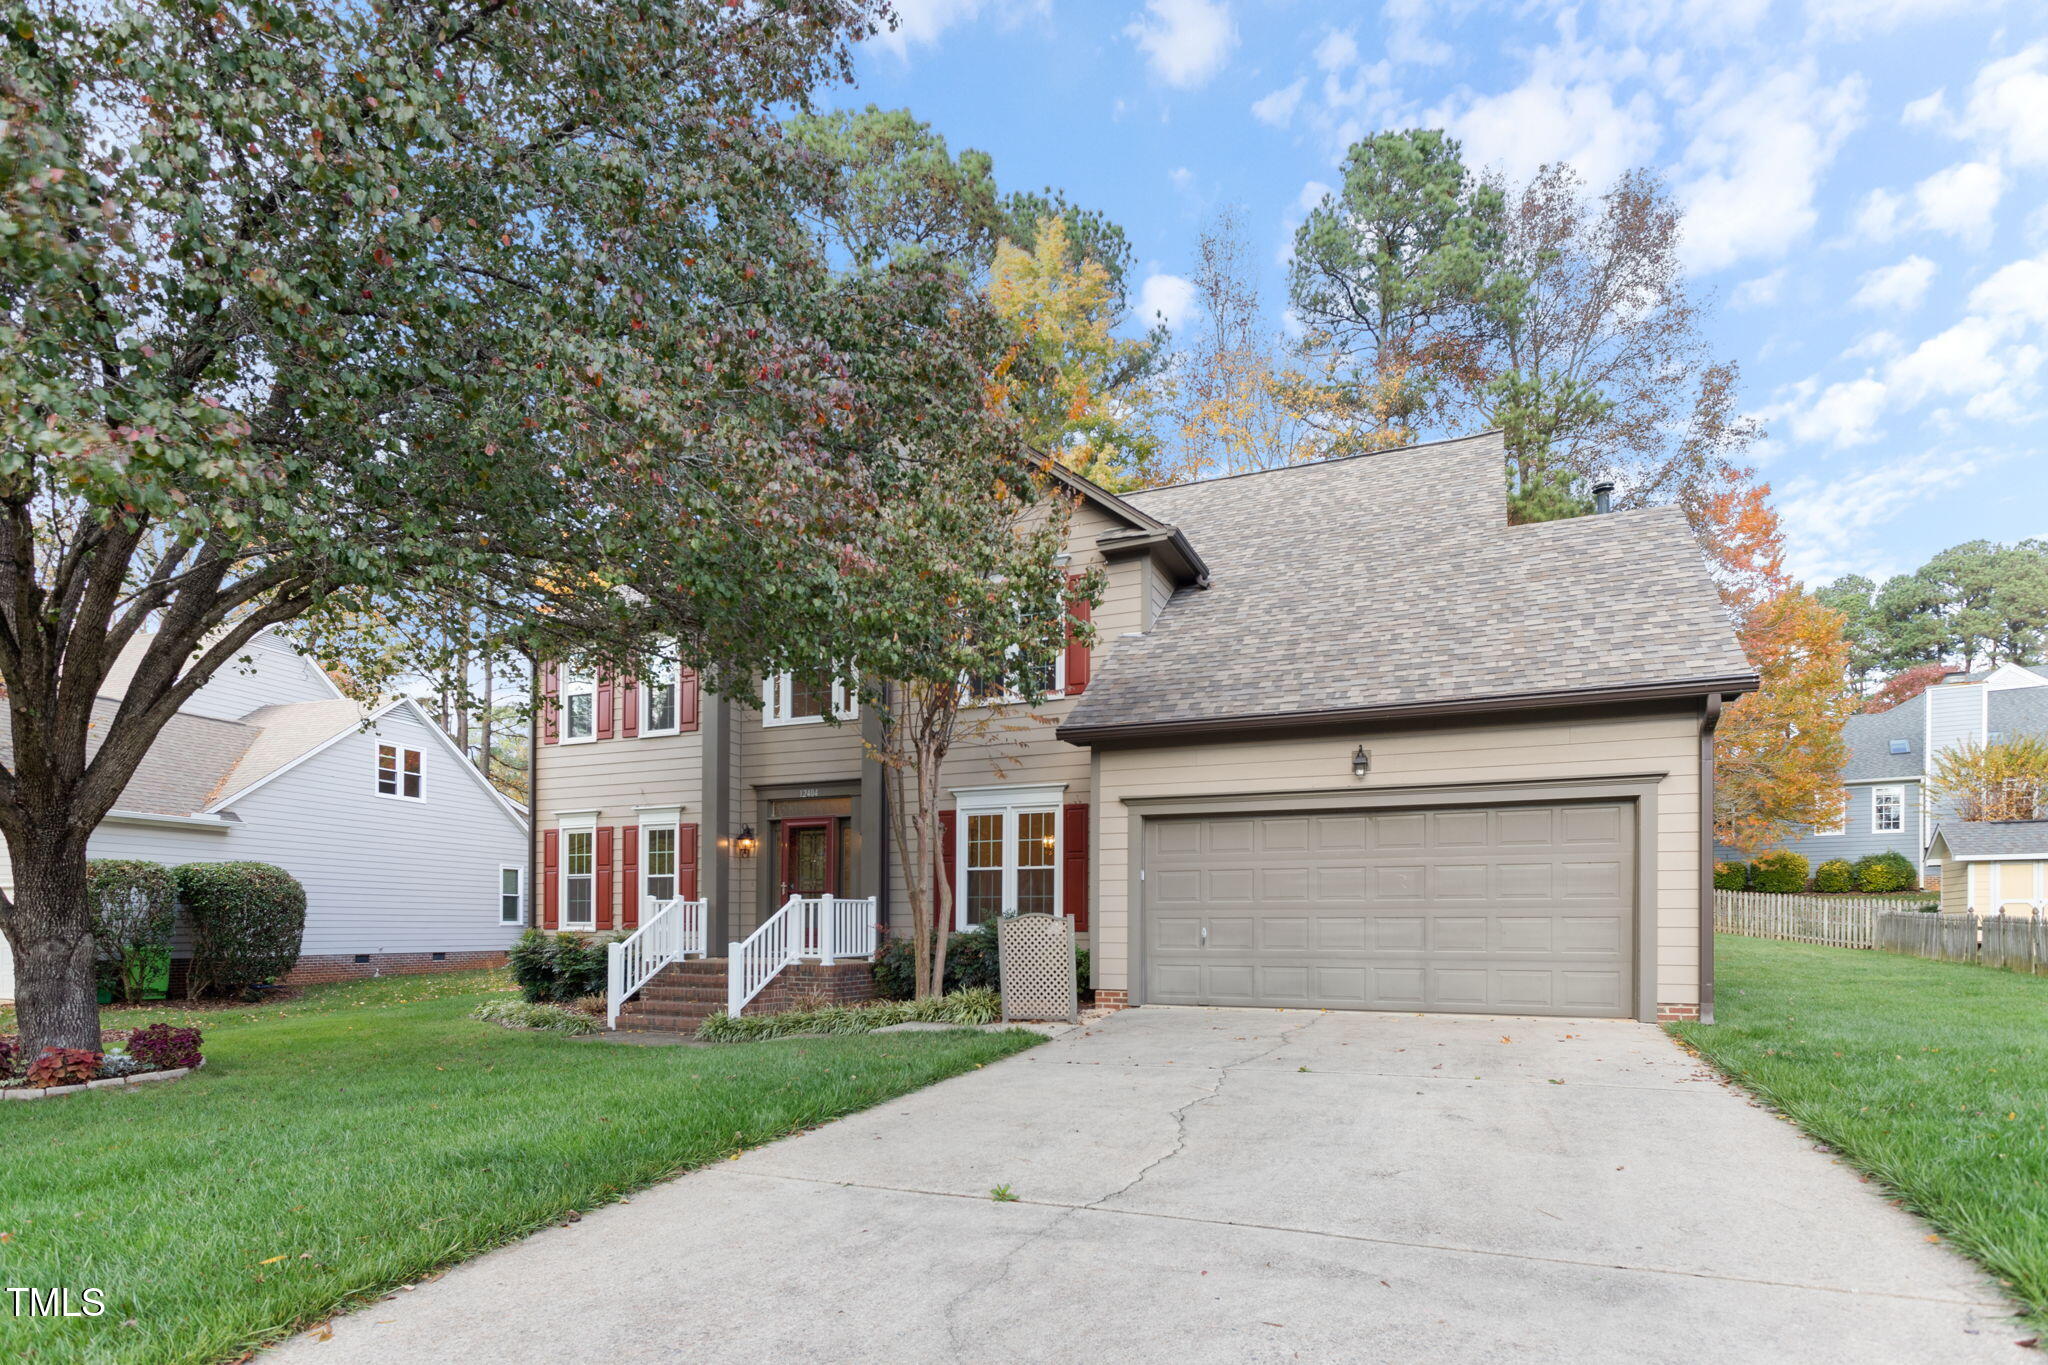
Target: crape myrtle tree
{"x": 323, "y": 312}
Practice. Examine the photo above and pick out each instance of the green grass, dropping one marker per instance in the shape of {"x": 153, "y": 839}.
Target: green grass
{"x": 1928, "y": 1076}
{"x": 367, "y": 1134}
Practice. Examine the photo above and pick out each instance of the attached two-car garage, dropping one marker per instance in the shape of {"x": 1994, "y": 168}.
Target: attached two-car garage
{"x": 1509, "y": 909}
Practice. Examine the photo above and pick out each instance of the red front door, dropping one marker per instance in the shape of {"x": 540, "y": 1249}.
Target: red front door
{"x": 809, "y": 858}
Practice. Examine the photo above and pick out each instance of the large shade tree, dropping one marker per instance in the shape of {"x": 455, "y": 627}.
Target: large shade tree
{"x": 324, "y": 312}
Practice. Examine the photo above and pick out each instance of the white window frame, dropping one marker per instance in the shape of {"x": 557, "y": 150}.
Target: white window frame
{"x": 777, "y": 691}
{"x": 1877, "y": 801}
{"x": 398, "y": 754}
{"x": 569, "y": 835}
{"x": 968, "y": 698}
{"x": 576, "y": 684}
{"x": 673, "y": 827}
{"x": 1009, "y": 803}
{"x": 518, "y": 872}
{"x": 1841, "y": 825}
{"x": 669, "y": 674}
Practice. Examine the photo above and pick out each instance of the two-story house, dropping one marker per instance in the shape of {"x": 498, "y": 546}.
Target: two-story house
{"x": 1887, "y": 806}
{"x": 410, "y": 859}
{"x": 1345, "y": 739}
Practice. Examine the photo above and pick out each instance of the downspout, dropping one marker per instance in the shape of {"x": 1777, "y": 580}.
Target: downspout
{"x": 1710, "y": 716}
{"x": 533, "y": 887}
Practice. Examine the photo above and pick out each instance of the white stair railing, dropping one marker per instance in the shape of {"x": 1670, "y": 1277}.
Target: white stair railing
{"x": 824, "y": 927}
{"x": 673, "y": 930}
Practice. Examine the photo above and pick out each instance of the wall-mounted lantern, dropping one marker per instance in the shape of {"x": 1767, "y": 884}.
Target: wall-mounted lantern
{"x": 745, "y": 845}
{"x": 1361, "y": 762}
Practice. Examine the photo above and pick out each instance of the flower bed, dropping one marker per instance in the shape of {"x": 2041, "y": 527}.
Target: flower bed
{"x": 128, "y": 1057}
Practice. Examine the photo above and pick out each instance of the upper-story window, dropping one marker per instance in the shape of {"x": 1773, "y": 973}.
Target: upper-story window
{"x": 788, "y": 700}
{"x": 661, "y": 700}
{"x": 399, "y": 772}
{"x": 1840, "y": 824}
{"x": 1887, "y": 810}
{"x": 579, "y": 707}
{"x": 1052, "y": 682}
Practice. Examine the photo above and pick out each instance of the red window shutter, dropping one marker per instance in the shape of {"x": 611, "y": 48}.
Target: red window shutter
{"x": 629, "y": 876}
{"x": 949, "y": 858}
{"x": 686, "y": 862}
{"x": 604, "y": 706}
{"x": 1077, "y": 650}
{"x": 603, "y": 915}
{"x": 551, "y": 884}
{"x": 1074, "y": 865}
{"x": 629, "y": 708}
{"x": 686, "y": 703}
{"x": 550, "y": 700}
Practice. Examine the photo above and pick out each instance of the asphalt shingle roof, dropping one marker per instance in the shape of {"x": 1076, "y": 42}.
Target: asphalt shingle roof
{"x": 1394, "y": 579}
{"x": 1994, "y": 838}
{"x": 183, "y": 769}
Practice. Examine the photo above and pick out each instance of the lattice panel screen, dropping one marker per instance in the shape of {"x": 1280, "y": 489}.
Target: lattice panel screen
{"x": 1037, "y": 953}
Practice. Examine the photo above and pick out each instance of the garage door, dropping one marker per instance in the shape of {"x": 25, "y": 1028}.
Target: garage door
{"x": 1509, "y": 909}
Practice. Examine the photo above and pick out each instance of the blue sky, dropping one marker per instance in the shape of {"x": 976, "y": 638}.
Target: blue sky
{"x": 1866, "y": 182}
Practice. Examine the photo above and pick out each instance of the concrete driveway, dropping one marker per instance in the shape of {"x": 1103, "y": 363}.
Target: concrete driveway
{"x": 1233, "y": 1185}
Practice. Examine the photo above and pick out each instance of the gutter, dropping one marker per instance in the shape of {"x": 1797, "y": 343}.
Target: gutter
{"x": 1142, "y": 731}
{"x": 1117, "y": 544}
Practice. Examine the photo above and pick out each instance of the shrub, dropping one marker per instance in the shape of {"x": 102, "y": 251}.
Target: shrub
{"x": 965, "y": 1008}
{"x": 1884, "y": 872}
{"x": 64, "y": 1066}
{"x": 1731, "y": 876}
{"x": 248, "y": 920}
{"x": 1780, "y": 870}
{"x": 541, "y": 1015}
{"x": 558, "y": 968}
{"x": 10, "y": 1055}
{"x": 161, "y": 1045}
{"x": 134, "y": 905}
{"x": 973, "y": 962}
{"x": 1834, "y": 877}
{"x": 116, "y": 1062}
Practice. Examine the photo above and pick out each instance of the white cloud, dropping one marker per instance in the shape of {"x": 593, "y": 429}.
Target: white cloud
{"x": 2018, "y": 291}
{"x": 1858, "y": 18}
{"x": 1278, "y": 108}
{"x": 1406, "y": 41}
{"x": 1337, "y": 50}
{"x": 1167, "y": 296}
{"x": 1895, "y": 288}
{"x": 1844, "y": 414}
{"x": 1960, "y": 200}
{"x": 2008, "y": 106}
{"x": 1185, "y": 41}
{"x": 1880, "y": 215}
{"x": 1823, "y": 518}
{"x": 1757, "y": 155}
{"x": 1760, "y": 292}
{"x": 1554, "y": 116}
{"x": 923, "y": 22}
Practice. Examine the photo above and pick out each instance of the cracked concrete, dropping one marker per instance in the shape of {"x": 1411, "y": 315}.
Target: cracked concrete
{"x": 1199, "y": 1185}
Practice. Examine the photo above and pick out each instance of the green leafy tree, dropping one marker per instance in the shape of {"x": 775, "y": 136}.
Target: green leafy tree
{"x": 319, "y": 312}
{"x": 900, "y": 189}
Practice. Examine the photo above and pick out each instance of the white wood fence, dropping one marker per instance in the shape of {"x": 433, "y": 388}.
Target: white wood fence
{"x": 1833, "y": 921}
{"x": 2017, "y": 943}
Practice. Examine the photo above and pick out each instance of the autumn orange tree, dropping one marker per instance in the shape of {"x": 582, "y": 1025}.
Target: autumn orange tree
{"x": 1779, "y": 753}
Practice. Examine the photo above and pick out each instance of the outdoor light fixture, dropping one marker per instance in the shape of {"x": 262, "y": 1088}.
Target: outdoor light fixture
{"x": 1361, "y": 762}
{"x": 745, "y": 845}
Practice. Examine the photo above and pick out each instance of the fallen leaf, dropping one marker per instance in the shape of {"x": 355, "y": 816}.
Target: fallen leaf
{"x": 272, "y": 1260}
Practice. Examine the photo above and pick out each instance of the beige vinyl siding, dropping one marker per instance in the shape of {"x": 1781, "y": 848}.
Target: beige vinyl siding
{"x": 779, "y": 756}
{"x": 613, "y": 777}
{"x": 1624, "y": 745}
{"x": 1955, "y": 887}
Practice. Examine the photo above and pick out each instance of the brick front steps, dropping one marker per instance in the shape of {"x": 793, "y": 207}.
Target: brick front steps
{"x": 684, "y": 994}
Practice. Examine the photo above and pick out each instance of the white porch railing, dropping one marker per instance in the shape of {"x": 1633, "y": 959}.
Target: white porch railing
{"x": 673, "y": 931}
{"x": 823, "y": 927}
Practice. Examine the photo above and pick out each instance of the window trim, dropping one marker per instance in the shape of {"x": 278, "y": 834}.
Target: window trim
{"x": 577, "y": 684}
{"x": 675, "y": 686}
{"x": 569, "y": 832}
{"x": 398, "y": 771}
{"x": 674, "y": 826}
{"x": 1010, "y": 803}
{"x": 1877, "y": 795}
{"x": 776, "y": 699}
{"x": 1057, "y": 692}
{"x": 518, "y": 870}
{"x": 1841, "y": 825}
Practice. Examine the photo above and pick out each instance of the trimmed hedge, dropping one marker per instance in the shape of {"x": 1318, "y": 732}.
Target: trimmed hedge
{"x": 1731, "y": 876}
{"x": 1781, "y": 870}
{"x": 248, "y": 920}
{"x": 558, "y": 968}
{"x": 1834, "y": 877}
{"x": 1884, "y": 872}
{"x": 134, "y": 906}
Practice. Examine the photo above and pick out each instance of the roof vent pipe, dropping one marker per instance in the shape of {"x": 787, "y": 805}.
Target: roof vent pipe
{"x": 1603, "y": 498}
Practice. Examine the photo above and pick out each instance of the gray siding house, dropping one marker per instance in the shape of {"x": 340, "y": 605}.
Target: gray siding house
{"x": 1892, "y": 754}
{"x": 410, "y": 859}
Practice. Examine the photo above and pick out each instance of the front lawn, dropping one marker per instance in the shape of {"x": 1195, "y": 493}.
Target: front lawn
{"x": 359, "y": 1138}
{"x": 1927, "y": 1075}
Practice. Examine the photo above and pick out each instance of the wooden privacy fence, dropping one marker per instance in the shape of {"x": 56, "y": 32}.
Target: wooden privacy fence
{"x": 1834, "y": 921}
{"x": 2016, "y": 943}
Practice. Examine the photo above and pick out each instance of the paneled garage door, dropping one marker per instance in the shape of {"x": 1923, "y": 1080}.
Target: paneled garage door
{"x": 1508, "y": 909}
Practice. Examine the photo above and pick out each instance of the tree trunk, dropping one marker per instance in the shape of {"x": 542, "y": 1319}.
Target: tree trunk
{"x": 55, "y": 996}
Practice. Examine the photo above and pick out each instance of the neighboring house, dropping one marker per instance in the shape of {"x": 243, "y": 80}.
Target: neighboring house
{"x": 1992, "y": 867}
{"x": 1891, "y": 757}
{"x": 1345, "y": 739}
{"x": 410, "y": 859}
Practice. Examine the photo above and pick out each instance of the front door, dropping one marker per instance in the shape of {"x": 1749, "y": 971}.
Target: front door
{"x": 809, "y": 861}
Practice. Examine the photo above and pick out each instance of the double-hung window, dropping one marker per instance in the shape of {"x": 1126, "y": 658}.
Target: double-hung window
{"x": 1887, "y": 810}
{"x": 579, "y": 878}
{"x": 511, "y": 895}
{"x": 579, "y": 707}
{"x": 1008, "y": 852}
{"x": 398, "y": 772}
{"x": 1840, "y": 824}
{"x": 661, "y": 699}
{"x": 1052, "y": 682}
{"x": 658, "y": 862}
{"x": 789, "y": 700}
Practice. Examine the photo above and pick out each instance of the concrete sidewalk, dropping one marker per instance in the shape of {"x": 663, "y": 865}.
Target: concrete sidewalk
{"x": 1230, "y": 1185}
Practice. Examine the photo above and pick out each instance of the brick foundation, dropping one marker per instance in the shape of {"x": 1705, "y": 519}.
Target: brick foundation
{"x": 804, "y": 984}
{"x": 344, "y": 967}
{"x": 1672, "y": 1014}
{"x": 1112, "y": 1000}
